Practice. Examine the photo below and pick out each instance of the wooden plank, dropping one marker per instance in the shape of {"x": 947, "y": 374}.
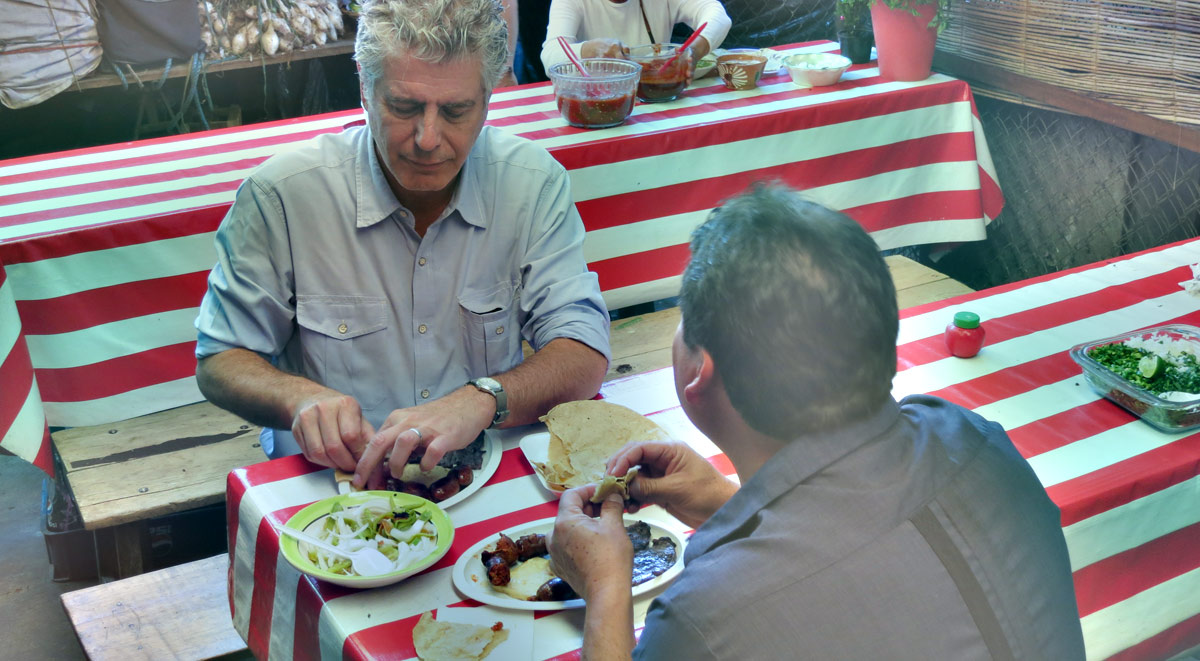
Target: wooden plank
{"x": 643, "y": 343}
{"x": 1075, "y": 102}
{"x": 180, "y": 612}
{"x": 156, "y": 464}
{"x": 101, "y": 77}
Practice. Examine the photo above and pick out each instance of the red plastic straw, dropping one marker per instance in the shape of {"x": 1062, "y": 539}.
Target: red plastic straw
{"x": 562, "y": 41}
{"x": 683, "y": 47}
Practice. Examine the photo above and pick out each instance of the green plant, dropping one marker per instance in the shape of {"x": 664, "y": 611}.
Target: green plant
{"x": 854, "y": 15}
{"x": 941, "y": 18}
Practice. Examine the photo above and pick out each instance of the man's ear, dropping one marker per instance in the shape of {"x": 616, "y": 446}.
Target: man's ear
{"x": 701, "y": 378}
{"x": 362, "y": 92}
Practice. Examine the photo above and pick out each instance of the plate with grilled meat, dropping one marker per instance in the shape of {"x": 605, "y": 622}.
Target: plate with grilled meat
{"x": 512, "y": 569}
{"x": 459, "y": 474}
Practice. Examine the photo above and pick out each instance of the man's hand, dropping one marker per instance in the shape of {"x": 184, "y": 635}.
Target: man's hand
{"x": 674, "y": 476}
{"x": 591, "y": 554}
{"x": 331, "y": 430}
{"x": 595, "y": 557}
{"x": 603, "y": 48}
{"x": 445, "y": 424}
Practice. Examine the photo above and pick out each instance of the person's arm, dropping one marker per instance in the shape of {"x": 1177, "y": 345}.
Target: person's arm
{"x": 697, "y": 12}
{"x": 565, "y": 20}
{"x": 510, "y": 17}
{"x": 328, "y": 425}
{"x": 590, "y": 550}
{"x": 562, "y": 371}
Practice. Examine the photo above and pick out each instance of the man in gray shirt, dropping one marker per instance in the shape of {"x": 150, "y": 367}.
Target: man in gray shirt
{"x": 864, "y": 528}
{"x": 373, "y": 287}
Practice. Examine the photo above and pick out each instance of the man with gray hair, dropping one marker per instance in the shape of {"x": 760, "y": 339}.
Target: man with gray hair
{"x": 863, "y": 527}
{"x": 372, "y": 288}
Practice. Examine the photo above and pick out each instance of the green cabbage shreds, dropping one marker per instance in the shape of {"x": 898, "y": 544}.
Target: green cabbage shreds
{"x": 1149, "y": 371}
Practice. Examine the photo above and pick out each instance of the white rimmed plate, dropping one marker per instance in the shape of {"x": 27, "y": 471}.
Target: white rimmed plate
{"x": 470, "y": 576}
{"x": 536, "y": 447}
{"x": 492, "y": 451}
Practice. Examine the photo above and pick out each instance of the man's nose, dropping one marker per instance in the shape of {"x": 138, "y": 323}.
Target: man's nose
{"x": 429, "y": 134}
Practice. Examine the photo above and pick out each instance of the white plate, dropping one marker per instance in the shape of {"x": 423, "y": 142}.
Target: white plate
{"x": 470, "y": 576}
{"x": 492, "y": 450}
{"x": 535, "y": 447}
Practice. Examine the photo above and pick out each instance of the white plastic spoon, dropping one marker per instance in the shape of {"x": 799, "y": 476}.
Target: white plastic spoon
{"x": 366, "y": 561}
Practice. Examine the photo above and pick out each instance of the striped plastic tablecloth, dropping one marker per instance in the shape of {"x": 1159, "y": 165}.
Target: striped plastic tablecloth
{"x": 107, "y": 249}
{"x": 1129, "y": 494}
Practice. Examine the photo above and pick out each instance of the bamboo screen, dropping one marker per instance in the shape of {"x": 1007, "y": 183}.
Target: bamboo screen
{"x": 1143, "y": 55}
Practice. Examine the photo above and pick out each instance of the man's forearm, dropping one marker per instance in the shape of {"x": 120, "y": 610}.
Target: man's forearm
{"x": 608, "y": 624}
{"x": 242, "y": 382}
{"x": 564, "y": 370}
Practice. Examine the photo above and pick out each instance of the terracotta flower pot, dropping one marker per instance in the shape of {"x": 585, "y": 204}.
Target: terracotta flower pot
{"x": 904, "y": 43}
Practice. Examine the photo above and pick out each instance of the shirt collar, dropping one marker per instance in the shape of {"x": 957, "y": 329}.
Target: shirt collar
{"x": 793, "y": 464}
{"x": 376, "y": 201}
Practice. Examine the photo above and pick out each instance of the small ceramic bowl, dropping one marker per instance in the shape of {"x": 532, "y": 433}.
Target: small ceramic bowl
{"x": 740, "y": 71}
{"x": 705, "y": 66}
{"x": 816, "y": 69}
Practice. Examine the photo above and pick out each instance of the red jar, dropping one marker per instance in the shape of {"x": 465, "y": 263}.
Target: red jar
{"x": 964, "y": 337}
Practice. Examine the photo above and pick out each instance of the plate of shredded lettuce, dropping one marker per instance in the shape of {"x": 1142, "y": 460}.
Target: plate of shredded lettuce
{"x": 411, "y": 531}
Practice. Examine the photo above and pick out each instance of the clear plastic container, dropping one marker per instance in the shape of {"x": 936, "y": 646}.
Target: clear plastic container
{"x": 663, "y": 79}
{"x": 603, "y": 99}
{"x": 1164, "y": 414}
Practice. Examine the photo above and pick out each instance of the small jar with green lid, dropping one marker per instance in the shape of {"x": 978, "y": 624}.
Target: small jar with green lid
{"x": 964, "y": 336}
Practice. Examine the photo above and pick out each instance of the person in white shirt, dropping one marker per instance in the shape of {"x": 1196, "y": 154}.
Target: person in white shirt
{"x": 607, "y": 28}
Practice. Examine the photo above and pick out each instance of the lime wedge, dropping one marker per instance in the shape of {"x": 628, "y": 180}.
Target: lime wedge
{"x": 1151, "y": 366}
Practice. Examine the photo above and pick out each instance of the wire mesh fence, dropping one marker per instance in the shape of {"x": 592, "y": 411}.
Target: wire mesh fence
{"x": 1076, "y": 191}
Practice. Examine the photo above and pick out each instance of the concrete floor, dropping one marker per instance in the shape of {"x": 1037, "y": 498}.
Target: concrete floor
{"x": 32, "y": 620}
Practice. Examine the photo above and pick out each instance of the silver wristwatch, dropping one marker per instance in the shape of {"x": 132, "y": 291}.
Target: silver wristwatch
{"x": 493, "y": 388}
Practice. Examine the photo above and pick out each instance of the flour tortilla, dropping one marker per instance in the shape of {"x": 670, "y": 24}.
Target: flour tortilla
{"x": 584, "y": 434}
{"x": 526, "y": 577}
{"x": 454, "y": 641}
{"x": 615, "y": 484}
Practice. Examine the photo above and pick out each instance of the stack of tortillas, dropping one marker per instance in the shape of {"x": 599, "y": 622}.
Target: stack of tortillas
{"x": 584, "y": 434}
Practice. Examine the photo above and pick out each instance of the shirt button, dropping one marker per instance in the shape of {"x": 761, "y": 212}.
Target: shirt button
{"x": 343, "y": 328}
{"x": 499, "y": 330}
{"x": 421, "y": 329}
{"x": 425, "y": 394}
{"x": 421, "y": 262}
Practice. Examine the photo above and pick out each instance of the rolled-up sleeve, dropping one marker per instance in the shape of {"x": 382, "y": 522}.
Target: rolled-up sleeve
{"x": 697, "y": 12}
{"x": 248, "y": 303}
{"x": 560, "y": 297}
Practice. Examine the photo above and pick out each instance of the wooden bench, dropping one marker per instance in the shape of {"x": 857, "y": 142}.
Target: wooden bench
{"x": 643, "y": 343}
{"x": 180, "y": 612}
{"x": 123, "y": 474}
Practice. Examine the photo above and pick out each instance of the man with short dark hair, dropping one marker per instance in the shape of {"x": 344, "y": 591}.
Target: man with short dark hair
{"x": 864, "y": 528}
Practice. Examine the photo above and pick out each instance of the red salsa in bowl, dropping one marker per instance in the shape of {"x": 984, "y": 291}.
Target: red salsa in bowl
{"x": 600, "y": 99}
{"x": 594, "y": 112}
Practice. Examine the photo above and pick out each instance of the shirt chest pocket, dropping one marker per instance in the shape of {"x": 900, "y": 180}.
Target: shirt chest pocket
{"x": 344, "y": 340}
{"x": 490, "y": 328}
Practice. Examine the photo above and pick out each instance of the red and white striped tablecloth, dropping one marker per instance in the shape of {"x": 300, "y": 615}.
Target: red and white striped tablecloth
{"x": 1129, "y": 494}
{"x": 107, "y": 249}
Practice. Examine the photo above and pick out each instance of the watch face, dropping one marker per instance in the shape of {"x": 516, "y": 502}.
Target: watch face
{"x": 489, "y": 383}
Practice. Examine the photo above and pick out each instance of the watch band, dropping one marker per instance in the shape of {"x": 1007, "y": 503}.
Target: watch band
{"x": 493, "y": 388}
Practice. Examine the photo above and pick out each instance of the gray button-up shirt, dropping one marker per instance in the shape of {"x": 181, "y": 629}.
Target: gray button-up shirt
{"x": 919, "y": 533}
{"x": 320, "y": 270}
